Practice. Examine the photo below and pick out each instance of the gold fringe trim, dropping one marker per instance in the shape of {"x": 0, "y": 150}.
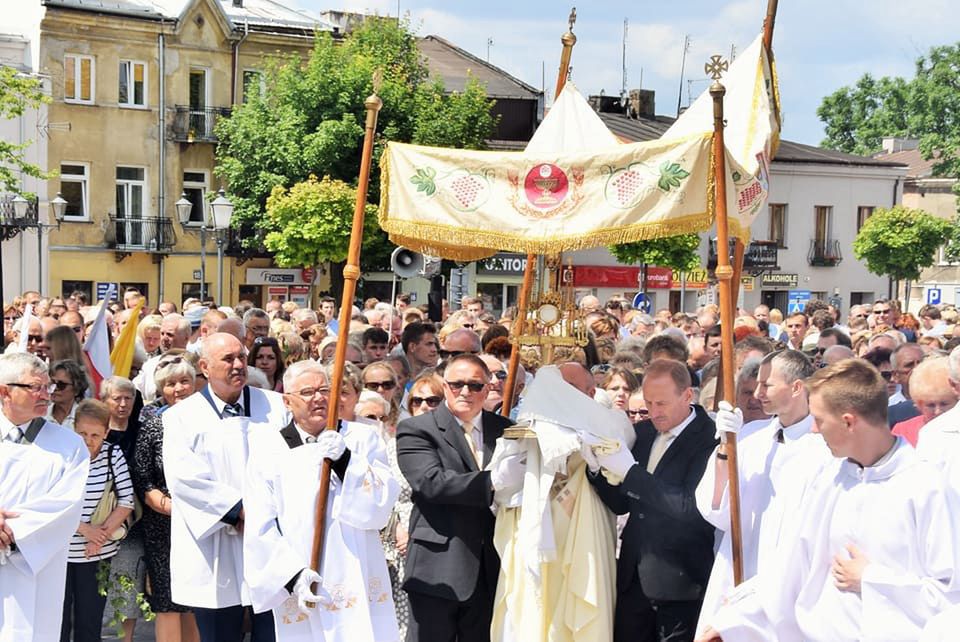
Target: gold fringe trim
{"x": 468, "y": 245}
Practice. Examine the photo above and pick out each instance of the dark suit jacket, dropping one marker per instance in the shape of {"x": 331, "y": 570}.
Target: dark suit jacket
{"x": 665, "y": 541}
{"x": 901, "y": 412}
{"x": 451, "y": 526}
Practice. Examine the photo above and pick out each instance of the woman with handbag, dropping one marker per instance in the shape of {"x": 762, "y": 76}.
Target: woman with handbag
{"x": 107, "y": 502}
{"x": 175, "y": 378}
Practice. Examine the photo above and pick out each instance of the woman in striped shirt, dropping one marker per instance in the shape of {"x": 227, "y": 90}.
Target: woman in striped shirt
{"x": 91, "y": 545}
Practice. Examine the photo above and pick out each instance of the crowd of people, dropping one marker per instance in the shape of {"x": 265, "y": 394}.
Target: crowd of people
{"x": 191, "y": 484}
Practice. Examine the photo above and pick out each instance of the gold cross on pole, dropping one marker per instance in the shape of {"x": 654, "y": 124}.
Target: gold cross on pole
{"x": 716, "y": 66}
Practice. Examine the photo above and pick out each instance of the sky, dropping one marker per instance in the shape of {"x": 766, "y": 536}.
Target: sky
{"x": 819, "y": 46}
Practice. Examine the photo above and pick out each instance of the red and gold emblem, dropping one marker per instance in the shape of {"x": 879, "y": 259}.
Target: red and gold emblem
{"x": 546, "y": 190}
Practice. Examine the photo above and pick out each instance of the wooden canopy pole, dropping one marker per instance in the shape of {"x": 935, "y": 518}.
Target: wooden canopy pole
{"x": 568, "y": 40}
{"x": 724, "y": 274}
{"x": 351, "y": 273}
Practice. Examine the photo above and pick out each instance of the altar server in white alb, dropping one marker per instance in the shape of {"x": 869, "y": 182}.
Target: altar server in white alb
{"x": 43, "y": 474}
{"x": 205, "y": 449}
{"x": 873, "y": 556}
{"x": 350, "y": 599}
{"x": 774, "y": 463}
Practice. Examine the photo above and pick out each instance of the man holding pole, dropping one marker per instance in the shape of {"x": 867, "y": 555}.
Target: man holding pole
{"x": 349, "y": 599}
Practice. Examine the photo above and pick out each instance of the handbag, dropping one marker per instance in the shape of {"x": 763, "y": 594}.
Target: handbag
{"x": 108, "y": 502}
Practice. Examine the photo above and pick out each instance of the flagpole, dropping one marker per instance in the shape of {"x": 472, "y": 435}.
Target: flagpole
{"x": 568, "y": 40}
{"x": 351, "y": 273}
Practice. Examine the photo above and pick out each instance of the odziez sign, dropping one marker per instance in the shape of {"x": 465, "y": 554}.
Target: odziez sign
{"x": 779, "y": 280}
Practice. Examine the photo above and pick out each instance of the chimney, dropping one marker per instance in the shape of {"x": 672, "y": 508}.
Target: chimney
{"x": 238, "y": 3}
{"x": 605, "y": 104}
{"x": 892, "y": 144}
{"x": 642, "y": 104}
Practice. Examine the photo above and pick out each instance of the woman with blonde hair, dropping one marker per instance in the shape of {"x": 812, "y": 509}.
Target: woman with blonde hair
{"x": 148, "y": 331}
{"x": 380, "y": 377}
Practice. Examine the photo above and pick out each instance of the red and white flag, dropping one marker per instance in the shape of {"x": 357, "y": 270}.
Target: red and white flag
{"x": 96, "y": 348}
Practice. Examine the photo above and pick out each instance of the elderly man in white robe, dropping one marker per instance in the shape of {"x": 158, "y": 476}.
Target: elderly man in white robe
{"x": 205, "y": 450}
{"x": 774, "y": 464}
{"x": 43, "y": 474}
{"x": 350, "y": 598}
{"x": 873, "y": 554}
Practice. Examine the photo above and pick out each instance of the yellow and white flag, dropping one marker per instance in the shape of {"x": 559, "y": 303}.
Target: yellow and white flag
{"x": 466, "y": 205}
{"x": 121, "y": 358}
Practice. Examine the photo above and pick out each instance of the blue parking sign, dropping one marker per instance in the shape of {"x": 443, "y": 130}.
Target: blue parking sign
{"x": 933, "y": 296}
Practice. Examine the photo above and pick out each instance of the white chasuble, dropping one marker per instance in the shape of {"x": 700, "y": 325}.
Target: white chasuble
{"x": 280, "y": 502}
{"x": 896, "y": 514}
{"x": 44, "y": 482}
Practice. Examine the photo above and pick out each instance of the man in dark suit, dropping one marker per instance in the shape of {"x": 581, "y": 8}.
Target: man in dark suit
{"x": 452, "y": 566}
{"x": 667, "y": 550}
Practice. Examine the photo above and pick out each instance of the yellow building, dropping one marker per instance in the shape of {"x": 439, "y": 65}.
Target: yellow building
{"x": 136, "y": 92}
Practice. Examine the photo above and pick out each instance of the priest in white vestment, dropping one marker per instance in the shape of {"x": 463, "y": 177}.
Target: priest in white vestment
{"x": 774, "y": 464}
{"x": 350, "y": 599}
{"x": 556, "y": 538}
{"x": 205, "y": 450}
{"x": 43, "y": 474}
{"x": 872, "y": 558}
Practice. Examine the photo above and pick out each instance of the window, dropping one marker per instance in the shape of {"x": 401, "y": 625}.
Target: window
{"x": 131, "y": 188}
{"x": 78, "y": 79}
{"x": 69, "y": 287}
{"x": 778, "y": 224}
{"x": 195, "y": 188}
{"x": 252, "y": 84}
{"x": 74, "y": 183}
{"x": 822, "y": 215}
{"x": 133, "y": 84}
{"x": 201, "y": 124}
{"x": 942, "y": 258}
{"x": 863, "y": 213}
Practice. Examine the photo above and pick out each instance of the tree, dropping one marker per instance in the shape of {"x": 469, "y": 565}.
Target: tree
{"x": 899, "y": 242}
{"x": 676, "y": 252}
{"x": 856, "y": 119}
{"x": 17, "y": 94}
{"x": 309, "y": 122}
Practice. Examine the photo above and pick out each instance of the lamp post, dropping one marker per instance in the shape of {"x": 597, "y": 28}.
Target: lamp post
{"x": 222, "y": 210}
{"x": 184, "y": 208}
{"x": 14, "y": 218}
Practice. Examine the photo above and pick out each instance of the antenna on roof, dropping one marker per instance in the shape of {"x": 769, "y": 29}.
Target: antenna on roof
{"x": 683, "y": 61}
{"x": 623, "y": 82}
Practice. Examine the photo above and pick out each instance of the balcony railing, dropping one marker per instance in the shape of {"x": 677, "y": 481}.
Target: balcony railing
{"x": 759, "y": 256}
{"x": 191, "y": 124}
{"x": 148, "y": 234}
{"x": 824, "y": 253}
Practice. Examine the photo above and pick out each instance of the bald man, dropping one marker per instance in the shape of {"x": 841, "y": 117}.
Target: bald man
{"x": 579, "y": 377}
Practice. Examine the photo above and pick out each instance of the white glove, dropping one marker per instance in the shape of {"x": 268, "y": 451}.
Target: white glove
{"x": 4, "y": 554}
{"x": 306, "y": 598}
{"x": 619, "y": 462}
{"x": 587, "y": 442}
{"x": 729, "y": 419}
{"x": 331, "y": 445}
{"x": 509, "y": 472}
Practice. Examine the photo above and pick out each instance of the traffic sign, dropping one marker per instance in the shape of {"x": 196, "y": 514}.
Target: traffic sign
{"x": 797, "y": 300}
{"x": 934, "y": 296}
{"x": 641, "y": 302}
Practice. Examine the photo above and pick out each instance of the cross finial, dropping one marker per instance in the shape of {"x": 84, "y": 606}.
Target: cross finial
{"x": 573, "y": 18}
{"x": 716, "y": 66}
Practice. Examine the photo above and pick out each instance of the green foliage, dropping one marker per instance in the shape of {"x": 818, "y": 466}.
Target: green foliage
{"x": 899, "y": 242}
{"x": 17, "y": 94}
{"x": 309, "y": 122}
{"x": 310, "y": 223}
{"x": 857, "y": 118}
{"x": 677, "y": 252}
{"x": 118, "y": 602}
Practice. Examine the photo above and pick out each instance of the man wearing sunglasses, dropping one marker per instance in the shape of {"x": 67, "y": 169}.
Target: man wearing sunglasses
{"x": 462, "y": 341}
{"x": 35, "y": 342}
{"x": 43, "y": 475}
{"x": 452, "y": 566}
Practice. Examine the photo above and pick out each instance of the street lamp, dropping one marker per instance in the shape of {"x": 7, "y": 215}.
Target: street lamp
{"x": 184, "y": 208}
{"x": 20, "y": 205}
{"x": 222, "y": 210}
{"x": 59, "y": 208}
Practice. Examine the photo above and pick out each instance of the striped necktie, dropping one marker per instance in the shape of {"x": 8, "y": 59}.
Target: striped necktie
{"x": 15, "y": 435}
{"x": 232, "y": 410}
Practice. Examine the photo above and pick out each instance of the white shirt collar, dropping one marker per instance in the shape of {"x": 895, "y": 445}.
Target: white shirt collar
{"x": 794, "y": 431}
{"x": 303, "y": 433}
{"x": 6, "y": 426}
{"x": 221, "y": 404}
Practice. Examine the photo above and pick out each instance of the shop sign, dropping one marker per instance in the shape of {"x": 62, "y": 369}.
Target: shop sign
{"x": 659, "y": 278}
{"x": 697, "y": 279}
{"x": 779, "y": 280}
{"x": 503, "y": 264}
{"x": 277, "y": 276}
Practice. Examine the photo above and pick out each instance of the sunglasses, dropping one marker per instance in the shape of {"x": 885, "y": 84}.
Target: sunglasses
{"x": 375, "y": 417}
{"x": 169, "y": 362}
{"x": 35, "y": 338}
{"x": 432, "y": 402}
{"x": 446, "y": 354}
{"x": 472, "y": 386}
{"x": 61, "y": 385}
{"x": 601, "y": 368}
{"x": 887, "y": 375}
{"x": 10, "y": 319}
{"x": 500, "y": 374}
{"x": 266, "y": 341}
{"x": 639, "y": 413}
{"x": 881, "y": 311}
{"x": 380, "y": 385}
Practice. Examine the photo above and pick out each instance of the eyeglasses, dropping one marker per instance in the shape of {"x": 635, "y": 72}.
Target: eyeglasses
{"x": 643, "y": 412}
{"x": 35, "y": 388}
{"x": 886, "y": 311}
{"x": 169, "y": 362}
{"x": 887, "y": 374}
{"x": 10, "y": 319}
{"x": 472, "y": 386}
{"x": 61, "y": 385}
{"x": 500, "y": 374}
{"x": 375, "y": 417}
{"x": 601, "y": 368}
{"x": 309, "y": 393}
{"x": 447, "y": 354}
{"x": 35, "y": 338}
{"x": 266, "y": 341}
{"x": 467, "y": 325}
{"x": 380, "y": 385}
{"x": 432, "y": 402}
